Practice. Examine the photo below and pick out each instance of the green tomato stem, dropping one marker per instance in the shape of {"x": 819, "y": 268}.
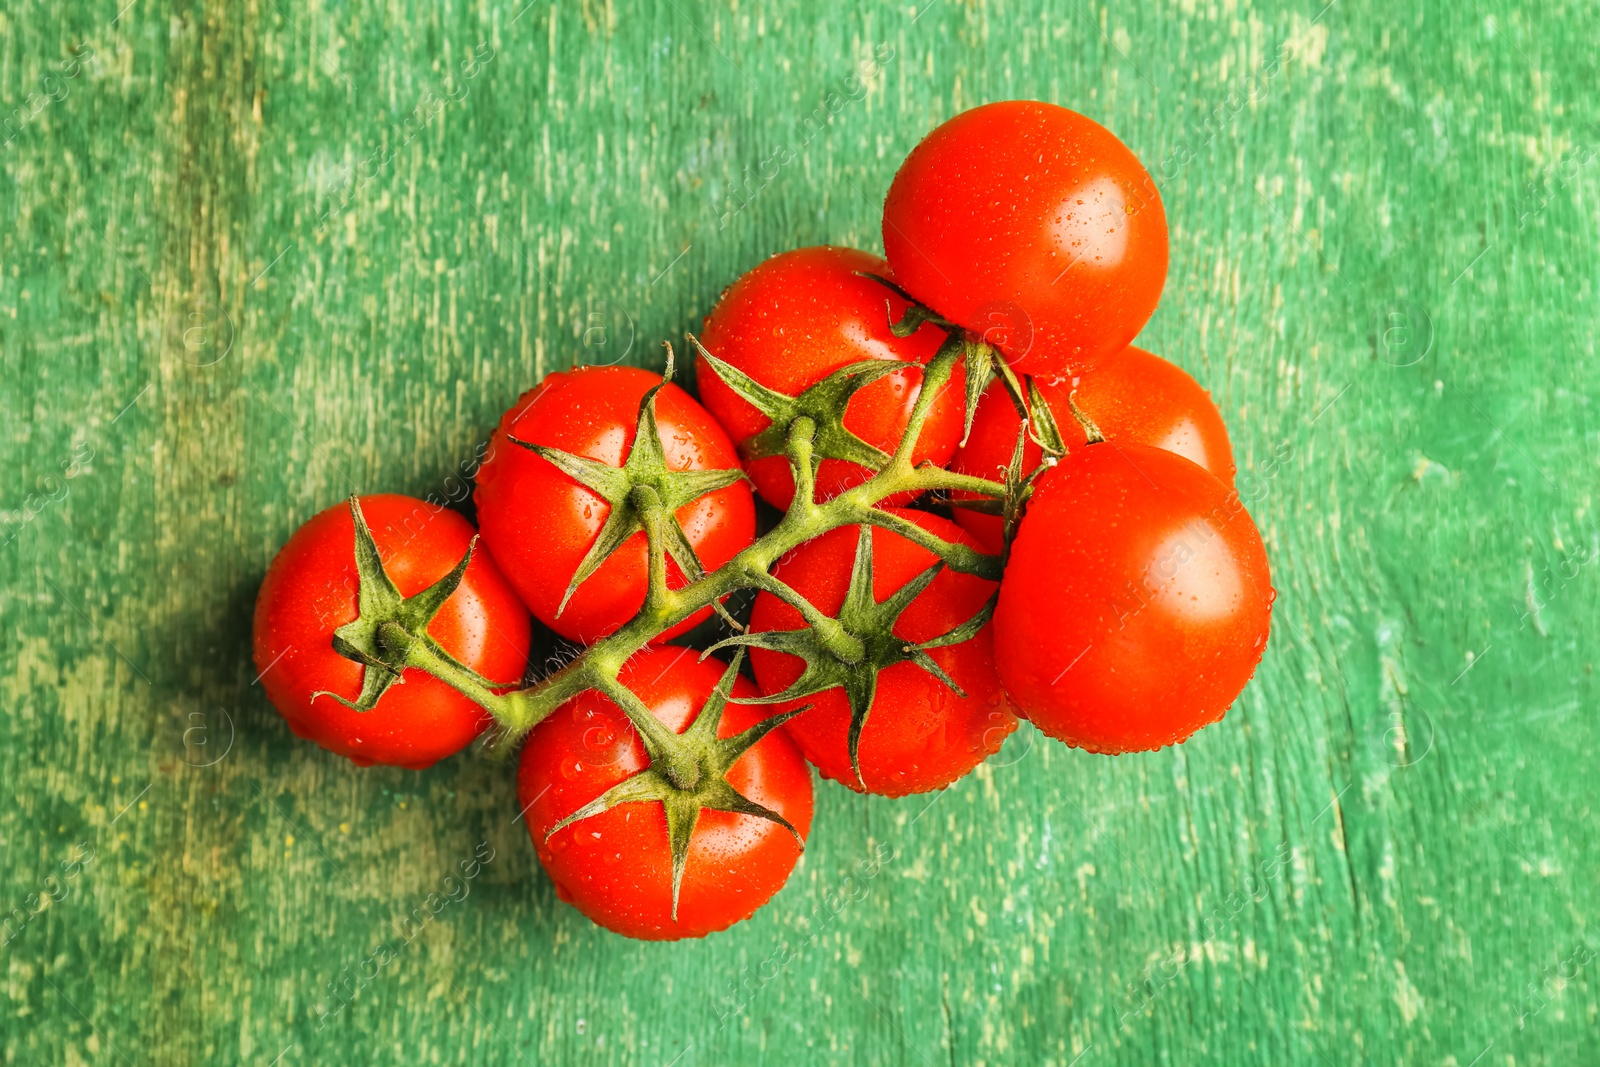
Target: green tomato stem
{"x": 510, "y": 710}
{"x": 935, "y": 376}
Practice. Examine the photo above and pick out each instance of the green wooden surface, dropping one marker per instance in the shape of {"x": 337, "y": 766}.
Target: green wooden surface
{"x": 1384, "y": 267}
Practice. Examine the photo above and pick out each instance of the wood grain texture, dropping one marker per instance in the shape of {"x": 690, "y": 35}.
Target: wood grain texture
{"x": 1384, "y": 267}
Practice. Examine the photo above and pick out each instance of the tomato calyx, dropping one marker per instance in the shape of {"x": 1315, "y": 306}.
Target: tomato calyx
{"x": 981, "y": 360}
{"x": 642, "y": 492}
{"x": 848, "y": 651}
{"x": 1039, "y": 426}
{"x": 390, "y": 631}
{"x": 824, "y": 403}
{"x": 916, "y": 312}
{"x": 1040, "y": 423}
{"x": 979, "y": 357}
{"x": 687, "y": 772}
{"x": 1090, "y": 431}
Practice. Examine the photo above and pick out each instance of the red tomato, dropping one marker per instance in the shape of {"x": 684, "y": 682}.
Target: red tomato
{"x": 1136, "y": 602}
{"x": 1035, "y": 223}
{"x": 310, "y": 590}
{"x": 919, "y": 735}
{"x": 1137, "y": 398}
{"x": 539, "y": 522}
{"x": 799, "y": 317}
{"x": 616, "y": 867}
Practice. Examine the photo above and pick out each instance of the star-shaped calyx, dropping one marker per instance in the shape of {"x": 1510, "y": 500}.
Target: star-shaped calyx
{"x": 1038, "y": 425}
{"x": 687, "y": 772}
{"x": 389, "y": 626}
{"x": 978, "y": 357}
{"x": 824, "y": 403}
{"x": 848, "y": 650}
{"x": 645, "y": 468}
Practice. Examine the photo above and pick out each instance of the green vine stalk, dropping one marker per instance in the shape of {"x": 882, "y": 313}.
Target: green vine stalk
{"x": 598, "y": 665}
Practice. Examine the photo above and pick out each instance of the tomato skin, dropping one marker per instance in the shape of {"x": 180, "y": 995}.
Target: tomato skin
{"x": 616, "y": 867}
{"x": 800, "y": 316}
{"x": 1136, "y": 602}
{"x": 310, "y": 590}
{"x": 919, "y": 735}
{"x": 539, "y": 522}
{"x": 1034, "y": 218}
{"x": 1136, "y": 398}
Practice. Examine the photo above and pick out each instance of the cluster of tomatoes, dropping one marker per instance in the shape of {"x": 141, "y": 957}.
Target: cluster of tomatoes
{"x": 1133, "y": 600}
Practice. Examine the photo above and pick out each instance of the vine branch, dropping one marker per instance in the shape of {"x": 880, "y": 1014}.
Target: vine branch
{"x": 597, "y": 667}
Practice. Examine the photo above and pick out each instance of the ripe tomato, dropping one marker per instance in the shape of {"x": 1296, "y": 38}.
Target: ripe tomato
{"x": 1136, "y": 601}
{"x": 1036, "y": 223}
{"x": 616, "y": 867}
{"x": 540, "y": 523}
{"x": 1137, "y": 398}
{"x": 797, "y": 318}
{"x": 310, "y": 590}
{"x": 919, "y": 734}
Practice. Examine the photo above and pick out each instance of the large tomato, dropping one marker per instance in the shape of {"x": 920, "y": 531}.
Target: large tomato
{"x": 1034, "y": 226}
{"x": 310, "y": 591}
{"x": 540, "y": 523}
{"x": 919, "y": 734}
{"x": 797, "y": 318}
{"x": 1137, "y": 398}
{"x": 616, "y": 867}
{"x": 1136, "y": 601}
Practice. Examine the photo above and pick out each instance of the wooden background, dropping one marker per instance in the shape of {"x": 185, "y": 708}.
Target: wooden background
{"x": 1384, "y": 223}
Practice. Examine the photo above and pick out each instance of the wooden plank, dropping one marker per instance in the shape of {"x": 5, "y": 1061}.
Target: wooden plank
{"x": 1384, "y": 266}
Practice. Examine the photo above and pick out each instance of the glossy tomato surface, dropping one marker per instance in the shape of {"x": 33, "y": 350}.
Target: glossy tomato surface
{"x": 310, "y": 591}
{"x": 616, "y": 867}
{"x": 919, "y": 734}
{"x": 1136, "y": 398}
{"x": 1032, "y": 224}
{"x": 1136, "y": 601}
{"x": 797, "y": 318}
{"x": 539, "y": 522}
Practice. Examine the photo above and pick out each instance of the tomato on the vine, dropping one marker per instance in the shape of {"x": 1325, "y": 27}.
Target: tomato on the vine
{"x": 616, "y": 866}
{"x": 795, "y": 319}
{"x": 310, "y": 591}
{"x": 671, "y": 797}
{"x": 540, "y": 522}
{"x": 918, "y": 734}
{"x": 1136, "y": 398}
{"x": 1033, "y": 226}
{"x": 1136, "y": 600}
